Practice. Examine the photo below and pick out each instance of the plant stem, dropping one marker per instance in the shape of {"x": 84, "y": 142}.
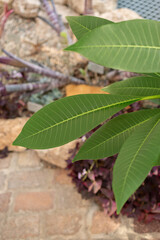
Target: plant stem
{"x": 30, "y": 67}
{"x": 88, "y": 9}
{"x": 52, "y": 15}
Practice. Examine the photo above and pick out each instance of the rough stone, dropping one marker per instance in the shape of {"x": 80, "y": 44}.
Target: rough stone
{"x": 33, "y": 107}
{"x": 57, "y": 156}
{"x": 9, "y": 130}
{"x": 103, "y": 6}
{"x": 26, "y": 8}
{"x": 79, "y": 8}
{"x": 34, "y": 201}
{"x": 65, "y": 11}
{"x": 2, "y": 2}
{"x": 62, "y": 223}
{"x": 21, "y": 227}
{"x": 31, "y": 179}
{"x": 95, "y": 68}
{"x": 119, "y": 15}
{"x": 99, "y": 6}
{"x": 62, "y": 2}
{"x": 28, "y": 158}
{"x": 102, "y": 223}
{"x": 4, "y": 201}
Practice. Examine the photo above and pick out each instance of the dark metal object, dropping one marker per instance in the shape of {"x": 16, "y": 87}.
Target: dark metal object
{"x": 149, "y": 9}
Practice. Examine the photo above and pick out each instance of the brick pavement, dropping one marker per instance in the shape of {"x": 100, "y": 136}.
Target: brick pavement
{"x": 39, "y": 202}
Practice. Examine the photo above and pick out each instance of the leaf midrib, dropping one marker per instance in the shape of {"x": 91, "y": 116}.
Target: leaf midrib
{"x": 123, "y": 87}
{"x": 105, "y": 141}
{"x": 116, "y": 46}
{"x": 79, "y": 115}
{"x": 132, "y": 161}
{"x": 71, "y": 19}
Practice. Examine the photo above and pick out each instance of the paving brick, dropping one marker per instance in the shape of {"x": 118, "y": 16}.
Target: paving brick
{"x": 61, "y": 177}
{"x": 142, "y": 227}
{"x": 21, "y": 227}
{"x": 4, "y": 201}
{"x": 31, "y": 179}
{"x": 5, "y": 162}
{"x": 2, "y": 180}
{"x": 102, "y": 223}
{"x": 61, "y": 223}
{"x": 67, "y": 197}
{"x": 28, "y": 158}
{"x": 34, "y": 201}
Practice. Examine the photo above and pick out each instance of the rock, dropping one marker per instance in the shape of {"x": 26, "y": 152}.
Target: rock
{"x": 121, "y": 14}
{"x": 26, "y": 8}
{"x": 73, "y": 89}
{"x": 103, "y": 6}
{"x": 62, "y": 2}
{"x": 95, "y": 68}
{"x": 9, "y": 130}
{"x": 2, "y": 2}
{"x": 33, "y": 107}
{"x": 58, "y": 156}
{"x": 65, "y": 11}
{"x": 99, "y": 6}
{"x": 78, "y": 7}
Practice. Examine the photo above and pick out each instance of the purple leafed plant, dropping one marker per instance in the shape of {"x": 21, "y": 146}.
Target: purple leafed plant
{"x": 94, "y": 179}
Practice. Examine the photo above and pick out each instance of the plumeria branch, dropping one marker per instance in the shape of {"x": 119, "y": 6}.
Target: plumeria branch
{"x": 30, "y": 67}
{"x": 52, "y": 15}
{"x": 88, "y": 9}
{"x": 10, "y": 88}
{"x": 55, "y": 20}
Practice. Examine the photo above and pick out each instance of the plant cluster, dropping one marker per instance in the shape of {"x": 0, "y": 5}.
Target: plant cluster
{"x": 130, "y": 45}
{"x": 94, "y": 180}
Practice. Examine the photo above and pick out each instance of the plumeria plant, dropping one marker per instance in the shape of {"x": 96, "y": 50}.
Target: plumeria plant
{"x": 132, "y": 46}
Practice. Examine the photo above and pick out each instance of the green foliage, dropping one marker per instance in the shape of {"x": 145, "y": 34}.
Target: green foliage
{"x": 84, "y": 24}
{"x": 133, "y": 46}
{"x": 136, "y": 158}
{"x": 136, "y": 86}
{"x": 63, "y": 121}
{"x": 108, "y": 139}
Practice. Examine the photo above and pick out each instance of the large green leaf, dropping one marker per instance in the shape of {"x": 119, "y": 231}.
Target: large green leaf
{"x": 157, "y": 75}
{"x": 67, "y": 119}
{"x": 109, "y": 139}
{"x": 131, "y": 45}
{"x": 158, "y": 162}
{"x": 136, "y": 158}
{"x": 136, "y": 86}
{"x": 84, "y": 24}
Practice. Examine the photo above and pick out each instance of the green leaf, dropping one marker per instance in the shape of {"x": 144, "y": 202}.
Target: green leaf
{"x": 157, "y": 162}
{"x": 109, "y": 138}
{"x": 84, "y": 24}
{"x": 135, "y": 160}
{"x": 131, "y": 45}
{"x": 155, "y": 75}
{"x": 67, "y": 119}
{"x": 136, "y": 86}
